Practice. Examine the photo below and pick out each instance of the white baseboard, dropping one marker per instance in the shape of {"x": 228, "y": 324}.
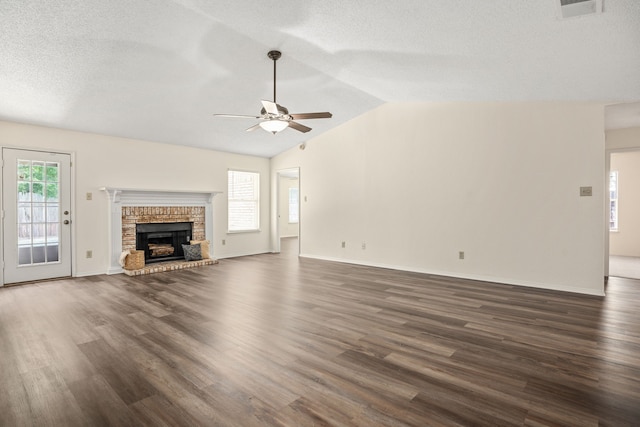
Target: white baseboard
{"x": 115, "y": 270}
{"x": 477, "y": 277}
{"x": 88, "y": 273}
{"x": 241, "y": 254}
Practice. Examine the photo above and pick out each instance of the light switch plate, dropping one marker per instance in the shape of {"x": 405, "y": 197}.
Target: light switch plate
{"x": 586, "y": 191}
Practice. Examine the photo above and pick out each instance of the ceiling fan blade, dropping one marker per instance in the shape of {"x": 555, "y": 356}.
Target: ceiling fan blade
{"x": 306, "y": 116}
{"x": 299, "y": 127}
{"x": 242, "y": 116}
{"x": 254, "y": 127}
{"x": 270, "y": 107}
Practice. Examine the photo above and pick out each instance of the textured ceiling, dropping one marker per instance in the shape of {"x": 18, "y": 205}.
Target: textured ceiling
{"x": 158, "y": 70}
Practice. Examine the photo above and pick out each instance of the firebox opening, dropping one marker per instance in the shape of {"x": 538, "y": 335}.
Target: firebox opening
{"x": 163, "y": 241}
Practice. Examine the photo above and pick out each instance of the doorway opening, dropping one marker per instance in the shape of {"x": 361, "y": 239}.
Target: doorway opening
{"x": 623, "y": 213}
{"x": 288, "y": 211}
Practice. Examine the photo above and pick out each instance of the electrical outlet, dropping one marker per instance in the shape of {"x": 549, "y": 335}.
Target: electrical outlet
{"x": 89, "y": 254}
{"x": 344, "y": 244}
{"x": 364, "y": 245}
{"x": 586, "y": 191}
{"x": 224, "y": 242}
{"x": 461, "y": 255}
{"x": 89, "y": 196}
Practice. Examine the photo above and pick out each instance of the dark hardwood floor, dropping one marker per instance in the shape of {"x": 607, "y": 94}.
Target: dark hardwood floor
{"x": 276, "y": 340}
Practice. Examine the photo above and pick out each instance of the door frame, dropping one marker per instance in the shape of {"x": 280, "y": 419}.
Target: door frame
{"x": 72, "y": 191}
{"x": 607, "y": 201}
{"x": 281, "y": 173}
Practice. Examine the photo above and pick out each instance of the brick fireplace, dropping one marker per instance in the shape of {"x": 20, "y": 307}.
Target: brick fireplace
{"x": 133, "y": 215}
{"x": 128, "y": 207}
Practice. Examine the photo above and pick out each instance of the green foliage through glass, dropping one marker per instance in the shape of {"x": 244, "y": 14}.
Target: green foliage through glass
{"x": 39, "y": 173}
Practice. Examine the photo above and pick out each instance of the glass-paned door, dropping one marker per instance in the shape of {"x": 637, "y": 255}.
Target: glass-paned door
{"x": 36, "y": 226}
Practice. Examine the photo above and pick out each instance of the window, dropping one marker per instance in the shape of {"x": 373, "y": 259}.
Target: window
{"x": 613, "y": 200}
{"x": 293, "y": 205}
{"x": 244, "y": 201}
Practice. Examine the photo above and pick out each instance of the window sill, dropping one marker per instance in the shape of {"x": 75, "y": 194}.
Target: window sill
{"x": 243, "y": 231}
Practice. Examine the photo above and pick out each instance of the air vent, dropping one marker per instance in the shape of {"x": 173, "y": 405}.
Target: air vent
{"x": 573, "y": 8}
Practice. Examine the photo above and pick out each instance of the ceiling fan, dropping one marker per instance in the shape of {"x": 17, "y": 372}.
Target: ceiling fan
{"x": 274, "y": 117}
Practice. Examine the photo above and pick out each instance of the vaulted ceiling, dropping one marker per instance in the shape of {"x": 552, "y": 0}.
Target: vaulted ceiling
{"x": 158, "y": 70}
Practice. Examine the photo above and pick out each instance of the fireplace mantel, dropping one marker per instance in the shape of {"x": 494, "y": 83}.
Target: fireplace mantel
{"x": 121, "y": 197}
{"x": 143, "y": 197}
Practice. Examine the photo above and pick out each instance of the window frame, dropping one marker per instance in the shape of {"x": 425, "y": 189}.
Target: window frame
{"x": 256, "y": 200}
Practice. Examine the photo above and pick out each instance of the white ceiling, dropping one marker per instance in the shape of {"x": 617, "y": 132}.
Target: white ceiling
{"x": 158, "y": 70}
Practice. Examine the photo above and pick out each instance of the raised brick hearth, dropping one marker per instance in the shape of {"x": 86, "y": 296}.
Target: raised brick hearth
{"x": 169, "y": 266}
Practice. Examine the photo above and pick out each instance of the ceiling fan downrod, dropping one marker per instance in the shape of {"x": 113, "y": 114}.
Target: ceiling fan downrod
{"x": 275, "y": 55}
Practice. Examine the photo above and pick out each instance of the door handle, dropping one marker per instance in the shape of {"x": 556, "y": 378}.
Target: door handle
{"x": 66, "y": 221}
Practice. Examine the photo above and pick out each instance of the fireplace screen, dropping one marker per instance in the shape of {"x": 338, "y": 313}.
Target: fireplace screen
{"x": 163, "y": 241}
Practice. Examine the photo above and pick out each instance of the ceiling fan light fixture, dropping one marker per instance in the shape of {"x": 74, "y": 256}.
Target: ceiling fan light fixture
{"x": 274, "y": 125}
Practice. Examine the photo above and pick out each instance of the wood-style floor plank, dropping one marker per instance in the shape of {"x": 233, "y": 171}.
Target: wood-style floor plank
{"x": 274, "y": 340}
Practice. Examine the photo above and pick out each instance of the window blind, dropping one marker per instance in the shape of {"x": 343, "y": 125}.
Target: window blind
{"x": 243, "y": 200}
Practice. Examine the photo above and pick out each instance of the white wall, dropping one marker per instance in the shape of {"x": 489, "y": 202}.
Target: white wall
{"x": 621, "y": 139}
{"x": 286, "y": 228}
{"x": 626, "y": 241}
{"x": 103, "y": 161}
{"x": 500, "y": 181}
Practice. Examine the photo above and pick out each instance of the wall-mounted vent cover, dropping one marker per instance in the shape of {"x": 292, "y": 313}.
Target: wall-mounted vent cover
{"x": 573, "y": 8}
